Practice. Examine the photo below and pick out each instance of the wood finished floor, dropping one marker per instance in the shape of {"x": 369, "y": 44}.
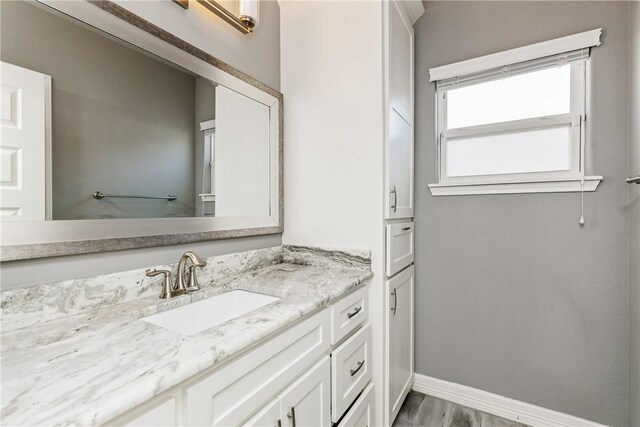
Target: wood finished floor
{"x": 419, "y": 410}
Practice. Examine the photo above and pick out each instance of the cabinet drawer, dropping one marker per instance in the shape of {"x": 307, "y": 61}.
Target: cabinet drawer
{"x": 160, "y": 412}
{"x": 349, "y": 312}
{"x": 225, "y": 397}
{"x": 350, "y": 371}
{"x": 362, "y": 413}
{"x": 399, "y": 247}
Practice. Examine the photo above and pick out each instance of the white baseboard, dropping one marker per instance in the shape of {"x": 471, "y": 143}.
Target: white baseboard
{"x": 495, "y": 404}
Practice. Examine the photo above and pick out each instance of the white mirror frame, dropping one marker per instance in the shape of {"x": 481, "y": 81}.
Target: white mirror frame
{"x": 38, "y": 239}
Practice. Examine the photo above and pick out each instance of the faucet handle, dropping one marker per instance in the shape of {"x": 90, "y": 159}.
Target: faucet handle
{"x": 167, "y": 288}
{"x": 193, "y": 279}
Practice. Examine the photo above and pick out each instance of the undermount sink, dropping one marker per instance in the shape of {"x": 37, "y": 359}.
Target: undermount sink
{"x": 201, "y": 315}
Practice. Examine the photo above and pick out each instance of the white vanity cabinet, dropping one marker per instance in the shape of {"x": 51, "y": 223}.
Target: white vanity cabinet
{"x": 285, "y": 381}
{"x": 226, "y": 396}
{"x": 399, "y": 339}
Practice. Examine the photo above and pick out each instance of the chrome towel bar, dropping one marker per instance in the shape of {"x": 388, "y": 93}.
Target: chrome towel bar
{"x": 633, "y": 180}
{"x": 100, "y": 195}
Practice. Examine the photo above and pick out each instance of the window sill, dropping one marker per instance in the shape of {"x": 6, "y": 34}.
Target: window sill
{"x": 557, "y": 186}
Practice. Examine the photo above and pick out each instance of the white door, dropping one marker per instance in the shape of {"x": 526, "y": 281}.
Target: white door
{"x": 399, "y": 174}
{"x": 399, "y": 339}
{"x": 399, "y": 144}
{"x": 307, "y": 402}
{"x": 24, "y": 98}
{"x": 242, "y": 175}
{"x": 400, "y": 62}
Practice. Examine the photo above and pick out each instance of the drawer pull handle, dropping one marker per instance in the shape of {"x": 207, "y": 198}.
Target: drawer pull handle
{"x": 394, "y": 294}
{"x": 355, "y": 371}
{"x": 292, "y": 416}
{"x": 395, "y": 199}
{"x": 279, "y": 424}
{"x": 406, "y": 228}
{"x": 356, "y": 311}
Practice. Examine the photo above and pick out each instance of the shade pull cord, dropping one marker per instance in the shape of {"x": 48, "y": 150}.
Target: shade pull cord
{"x": 582, "y": 201}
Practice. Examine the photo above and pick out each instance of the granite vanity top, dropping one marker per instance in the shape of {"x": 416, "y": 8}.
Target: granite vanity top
{"x": 77, "y": 353}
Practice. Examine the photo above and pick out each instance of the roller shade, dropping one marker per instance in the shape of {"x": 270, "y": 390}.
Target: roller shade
{"x": 513, "y": 69}
{"x": 522, "y": 59}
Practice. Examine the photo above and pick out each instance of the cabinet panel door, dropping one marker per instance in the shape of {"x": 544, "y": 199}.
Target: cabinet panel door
{"x": 269, "y": 416}
{"x": 400, "y": 63}
{"x": 399, "y": 339}
{"x": 226, "y": 396}
{"x": 399, "y": 173}
{"x": 307, "y": 401}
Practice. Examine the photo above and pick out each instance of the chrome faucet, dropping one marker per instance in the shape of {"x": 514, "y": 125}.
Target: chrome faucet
{"x": 192, "y": 281}
{"x": 170, "y": 290}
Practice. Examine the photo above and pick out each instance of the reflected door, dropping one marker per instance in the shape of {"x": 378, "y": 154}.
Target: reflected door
{"x": 242, "y": 155}
{"x": 23, "y": 94}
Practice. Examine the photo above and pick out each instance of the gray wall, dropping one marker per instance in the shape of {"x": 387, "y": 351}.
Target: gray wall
{"x": 120, "y": 118}
{"x": 514, "y": 297}
{"x": 258, "y": 55}
{"x": 634, "y": 215}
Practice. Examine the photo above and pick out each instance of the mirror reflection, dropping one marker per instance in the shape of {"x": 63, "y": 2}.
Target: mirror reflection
{"x": 94, "y": 128}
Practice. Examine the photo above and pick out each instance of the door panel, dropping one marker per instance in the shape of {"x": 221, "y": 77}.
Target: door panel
{"x": 401, "y": 63}
{"x": 308, "y": 399}
{"x": 399, "y": 340}
{"x": 23, "y": 109}
{"x": 399, "y": 168}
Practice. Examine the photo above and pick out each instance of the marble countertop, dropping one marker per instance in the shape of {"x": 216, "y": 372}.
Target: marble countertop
{"x": 92, "y": 365}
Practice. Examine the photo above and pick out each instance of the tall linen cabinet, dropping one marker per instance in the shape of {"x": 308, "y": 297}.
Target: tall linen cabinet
{"x": 347, "y": 75}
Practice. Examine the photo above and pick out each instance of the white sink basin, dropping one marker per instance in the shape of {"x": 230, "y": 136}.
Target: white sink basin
{"x": 204, "y": 314}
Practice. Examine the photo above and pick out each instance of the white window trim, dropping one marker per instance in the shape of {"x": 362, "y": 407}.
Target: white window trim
{"x": 537, "y": 182}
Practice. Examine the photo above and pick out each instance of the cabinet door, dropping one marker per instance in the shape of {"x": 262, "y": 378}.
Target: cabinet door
{"x": 399, "y": 339}
{"x": 269, "y": 416}
{"x": 228, "y": 395}
{"x": 400, "y": 63}
{"x": 399, "y": 173}
{"x": 307, "y": 401}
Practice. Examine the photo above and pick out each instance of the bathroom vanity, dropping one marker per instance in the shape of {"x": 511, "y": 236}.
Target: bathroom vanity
{"x": 85, "y": 352}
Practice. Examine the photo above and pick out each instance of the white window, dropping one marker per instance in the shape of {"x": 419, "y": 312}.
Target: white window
{"x": 518, "y": 127}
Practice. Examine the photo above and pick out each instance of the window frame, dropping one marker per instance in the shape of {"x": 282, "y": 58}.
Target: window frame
{"x": 572, "y": 49}
{"x": 575, "y": 117}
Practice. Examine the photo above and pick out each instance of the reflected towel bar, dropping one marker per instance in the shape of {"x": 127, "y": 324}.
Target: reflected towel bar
{"x": 100, "y": 195}
{"x": 633, "y": 180}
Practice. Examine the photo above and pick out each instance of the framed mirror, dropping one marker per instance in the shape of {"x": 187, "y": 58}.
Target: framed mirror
{"x": 116, "y": 135}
